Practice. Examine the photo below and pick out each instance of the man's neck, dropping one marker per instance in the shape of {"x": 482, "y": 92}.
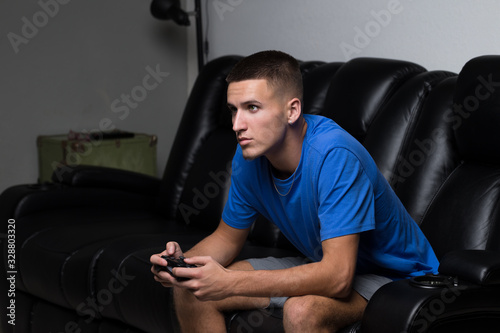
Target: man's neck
{"x": 287, "y": 160}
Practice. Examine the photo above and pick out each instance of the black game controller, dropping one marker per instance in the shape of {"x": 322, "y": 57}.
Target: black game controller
{"x": 173, "y": 262}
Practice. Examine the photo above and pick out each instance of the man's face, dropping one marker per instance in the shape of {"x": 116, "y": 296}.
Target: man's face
{"x": 259, "y": 115}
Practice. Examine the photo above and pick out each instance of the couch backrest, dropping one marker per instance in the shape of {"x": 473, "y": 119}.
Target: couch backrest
{"x": 430, "y": 155}
{"x": 203, "y": 144}
{"x": 465, "y": 212}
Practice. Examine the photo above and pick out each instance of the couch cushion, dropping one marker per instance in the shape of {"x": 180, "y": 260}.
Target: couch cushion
{"x": 55, "y": 263}
{"x": 205, "y": 111}
{"x": 476, "y": 116}
{"x": 391, "y": 131}
{"x": 464, "y": 213}
{"x": 449, "y": 224}
{"x": 361, "y": 87}
{"x": 430, "y": 153}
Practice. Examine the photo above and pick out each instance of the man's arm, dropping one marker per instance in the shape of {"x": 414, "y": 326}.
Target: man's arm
{"x": 331, "y": 277}
{"x": 223, "y": 245}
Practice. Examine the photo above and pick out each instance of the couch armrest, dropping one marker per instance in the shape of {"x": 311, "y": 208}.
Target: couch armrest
{"x": 22, "y": 200}
{"x": 102, "y": 177}
{"x": 83, "y": 186}
{"x": 477, "y": 266}
{"x": 403, "y": 306}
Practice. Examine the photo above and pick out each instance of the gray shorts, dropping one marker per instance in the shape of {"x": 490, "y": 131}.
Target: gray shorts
{"x": 365, "y": 285}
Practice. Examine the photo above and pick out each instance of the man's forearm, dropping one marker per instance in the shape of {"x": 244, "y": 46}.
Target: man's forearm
{"x": 309, "y": 279}
{"x": 331, "y": 277}
{"x": 211, "y": 246}
{"x": 224, "y": 244}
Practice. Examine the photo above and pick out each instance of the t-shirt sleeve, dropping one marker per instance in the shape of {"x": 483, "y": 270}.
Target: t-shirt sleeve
{"x": 346, "y": 198}
{"x": 238, "y": 212}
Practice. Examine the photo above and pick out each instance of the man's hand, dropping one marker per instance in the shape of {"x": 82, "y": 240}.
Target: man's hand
{"x": 171, "y": 249}
{"x": 208, "y": 282}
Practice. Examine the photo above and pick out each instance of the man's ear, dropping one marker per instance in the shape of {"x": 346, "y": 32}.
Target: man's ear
{"x": 294, "y": 110}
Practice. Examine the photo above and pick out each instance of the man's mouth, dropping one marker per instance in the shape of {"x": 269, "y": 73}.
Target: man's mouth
{"x": 243, "y": 141}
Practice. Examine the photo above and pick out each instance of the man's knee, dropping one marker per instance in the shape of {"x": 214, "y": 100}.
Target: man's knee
{"x": 302, "y": 312}
{"x": 316, "y": 313}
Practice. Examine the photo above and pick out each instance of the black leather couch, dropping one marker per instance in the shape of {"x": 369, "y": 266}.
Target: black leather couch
{"x": 82, "y": 243}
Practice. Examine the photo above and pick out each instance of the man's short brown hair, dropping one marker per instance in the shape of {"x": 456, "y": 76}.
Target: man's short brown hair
{"x": 281, "y": 71}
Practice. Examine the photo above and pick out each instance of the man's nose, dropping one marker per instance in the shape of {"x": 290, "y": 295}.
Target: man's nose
{"x": 239, "y": 123}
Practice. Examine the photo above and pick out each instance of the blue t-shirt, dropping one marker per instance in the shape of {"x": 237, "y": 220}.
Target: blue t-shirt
{"x": 336, "y": 190}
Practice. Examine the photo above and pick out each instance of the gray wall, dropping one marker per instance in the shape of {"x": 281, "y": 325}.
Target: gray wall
{"x": 66, "y": 65}
{"x": 438, "y": 34}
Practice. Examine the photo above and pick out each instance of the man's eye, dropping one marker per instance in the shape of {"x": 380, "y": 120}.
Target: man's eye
{"x": 253, "y": 108}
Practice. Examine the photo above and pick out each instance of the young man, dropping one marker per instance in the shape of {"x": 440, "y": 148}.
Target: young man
{"x": 322, "y": 189}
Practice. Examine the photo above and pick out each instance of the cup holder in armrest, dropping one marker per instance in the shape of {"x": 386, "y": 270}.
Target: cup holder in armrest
{"x": 433, "y": 281}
